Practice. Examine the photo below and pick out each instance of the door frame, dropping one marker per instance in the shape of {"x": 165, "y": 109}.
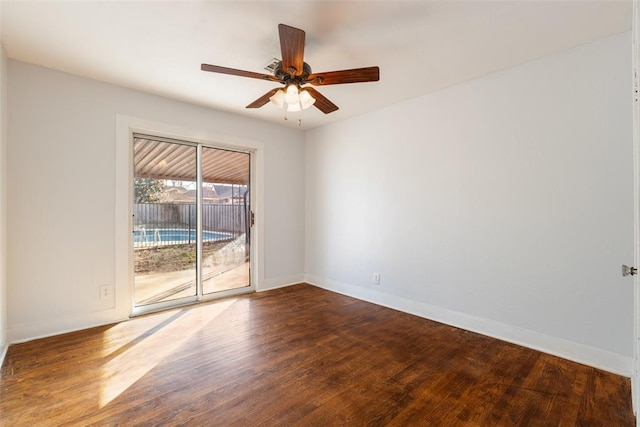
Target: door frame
{"x": 635, "y": 43}
{"x": 198, "y": 147}
{"x": 126, "y": 126}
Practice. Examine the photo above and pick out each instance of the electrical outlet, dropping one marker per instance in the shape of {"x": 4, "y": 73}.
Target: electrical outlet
{"x": 106, "y": 292}
{"x": 376, "y": 278}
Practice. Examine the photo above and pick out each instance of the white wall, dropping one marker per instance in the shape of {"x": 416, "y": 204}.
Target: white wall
{"x": 503, "y": 205}
{"x": 61, "y": 221}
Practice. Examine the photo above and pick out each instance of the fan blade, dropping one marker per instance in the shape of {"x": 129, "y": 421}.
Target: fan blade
{"x": 234, "y": 72}
{"x": 322, "y": 103}
{"x": 356, "y": 75}
{"x": 292, "y": 48}
{"x": 263, "y": 99}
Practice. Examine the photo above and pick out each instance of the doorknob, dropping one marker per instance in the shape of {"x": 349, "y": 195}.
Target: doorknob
{"x": 629, "y": 271}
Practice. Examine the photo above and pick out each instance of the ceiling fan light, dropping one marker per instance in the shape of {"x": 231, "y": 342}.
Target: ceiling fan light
{"x": 278, "y": 98}
{"x": 306, "y": 100}
{"x": 294, "y": 107}
{"x": 292, "y": 96}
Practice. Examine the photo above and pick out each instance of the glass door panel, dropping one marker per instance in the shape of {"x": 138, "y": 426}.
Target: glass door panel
{"x": 165, "y": 224}
{"x": 226, "y": 220}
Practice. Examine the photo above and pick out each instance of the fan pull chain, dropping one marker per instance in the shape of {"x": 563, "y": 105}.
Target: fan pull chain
{"x": 287, "y": 118}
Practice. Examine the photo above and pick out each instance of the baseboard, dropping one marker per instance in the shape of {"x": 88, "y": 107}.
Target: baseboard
{"x": 280, "y": 282}
{"x": 47, "y": 328}
{"x": 587, "y": 355}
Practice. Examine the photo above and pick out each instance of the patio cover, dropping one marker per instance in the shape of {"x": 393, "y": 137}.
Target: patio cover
{"x": 162, "y": 158}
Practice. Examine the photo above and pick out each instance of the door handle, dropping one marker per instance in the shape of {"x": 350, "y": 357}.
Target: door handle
{"x": 629, "y": 271}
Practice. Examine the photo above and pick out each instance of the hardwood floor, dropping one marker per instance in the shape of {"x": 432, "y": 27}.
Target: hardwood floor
{"x": 298, "y": 356}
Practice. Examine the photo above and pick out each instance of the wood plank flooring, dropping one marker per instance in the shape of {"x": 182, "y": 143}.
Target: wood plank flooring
{"x": 298, "y": 356}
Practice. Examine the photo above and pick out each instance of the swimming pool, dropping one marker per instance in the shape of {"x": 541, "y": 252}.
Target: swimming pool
{"x": 174, "y": 236}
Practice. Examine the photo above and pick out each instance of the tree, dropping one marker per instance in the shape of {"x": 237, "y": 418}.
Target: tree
{"x": 148, "y": 190}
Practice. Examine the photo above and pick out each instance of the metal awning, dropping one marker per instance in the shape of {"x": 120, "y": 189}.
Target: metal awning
{"x": 161, "y": 159}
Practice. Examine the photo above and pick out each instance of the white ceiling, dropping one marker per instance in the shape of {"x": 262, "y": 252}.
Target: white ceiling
{"x": 420, "y": 46}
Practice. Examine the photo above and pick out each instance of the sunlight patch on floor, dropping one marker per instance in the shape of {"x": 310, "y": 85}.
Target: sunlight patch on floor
{"x": 125, "y": 333}
{"x": 130, "y": 366}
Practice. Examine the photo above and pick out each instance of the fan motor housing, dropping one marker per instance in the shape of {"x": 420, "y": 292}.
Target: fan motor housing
{"x": 285, "y": 77}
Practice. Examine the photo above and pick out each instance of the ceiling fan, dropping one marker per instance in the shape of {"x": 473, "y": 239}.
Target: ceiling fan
{"x": 293, "y": 72}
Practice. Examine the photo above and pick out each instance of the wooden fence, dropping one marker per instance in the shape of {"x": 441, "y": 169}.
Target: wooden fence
{"x": 224, "y": 218}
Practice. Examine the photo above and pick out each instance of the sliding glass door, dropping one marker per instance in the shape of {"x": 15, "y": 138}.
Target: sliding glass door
{"x": 191, "y": 222}
{"x": 226, "y": 211}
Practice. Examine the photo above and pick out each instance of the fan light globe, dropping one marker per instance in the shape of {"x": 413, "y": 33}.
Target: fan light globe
{"x": 306, "y": 100}
{"x": 292, "y": 97}
{"x": 278, "y": 98}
